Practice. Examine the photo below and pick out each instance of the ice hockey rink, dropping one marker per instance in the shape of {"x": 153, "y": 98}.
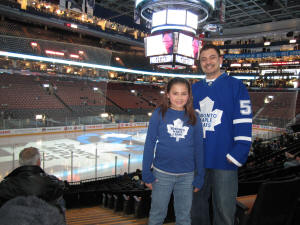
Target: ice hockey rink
{"x": 79, "y": 155}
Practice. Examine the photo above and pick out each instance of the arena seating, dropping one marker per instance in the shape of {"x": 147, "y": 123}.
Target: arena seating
{"x": 274, "y": 203}
{"x": 298, "y": 111}
{"x": 267, "y": 164}
{"x": 120, "y": 93}
{"x": 278, "y": 112}
{"x": 137, "y": 61}
{"x": 283, "y": 106}
{"x": 110, "y": 27}
{"x": 257, "y": 100}
{"x": 120, "y": 194}
{"x": 150, "y": 93}
{"x": 77, "y": 93}
{"x": 77, "y": 97}
{"x": 25, "y": 96}
{"x": 23, "y": 93}
{"x": 16, "y": 28}
{"x": 298, "y": 106}
{"x": 22, "y": 45}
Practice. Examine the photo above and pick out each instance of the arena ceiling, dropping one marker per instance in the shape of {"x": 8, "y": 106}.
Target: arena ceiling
{"x": 238, "y": 13}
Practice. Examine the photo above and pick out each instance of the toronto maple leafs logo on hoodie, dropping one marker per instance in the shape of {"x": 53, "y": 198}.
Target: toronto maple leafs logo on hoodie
{"x": 177, "y": 130}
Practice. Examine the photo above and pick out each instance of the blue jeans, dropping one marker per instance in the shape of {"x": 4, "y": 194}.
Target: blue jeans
{"x": 222, "y": 185}
{"x": 162, "y": 188}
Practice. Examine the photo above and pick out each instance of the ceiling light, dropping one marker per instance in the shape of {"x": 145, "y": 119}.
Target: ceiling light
{"x": 104, "y": 115}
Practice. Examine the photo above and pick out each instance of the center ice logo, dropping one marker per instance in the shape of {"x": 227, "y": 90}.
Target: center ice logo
{"x": 177, "y": 130}
{"x": 209, "y": 118}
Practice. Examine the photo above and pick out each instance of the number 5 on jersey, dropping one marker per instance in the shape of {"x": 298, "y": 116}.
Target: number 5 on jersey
{"x": 245, "y": 106}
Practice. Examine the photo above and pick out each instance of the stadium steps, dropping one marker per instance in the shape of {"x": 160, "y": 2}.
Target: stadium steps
{"x": 146, "y": 100}
{"x": 98, "y": 215}
{"x": 65, "y": 104}
{"x": 258, "y": 112}
{"x": 115, "y": 104}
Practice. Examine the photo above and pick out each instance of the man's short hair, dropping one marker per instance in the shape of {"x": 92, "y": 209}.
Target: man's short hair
{"x": 29, "y": 157}
{"x": 210, "y": 46}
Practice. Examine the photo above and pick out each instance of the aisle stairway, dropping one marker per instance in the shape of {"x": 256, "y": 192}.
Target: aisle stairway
{"x": 97, "y": 215}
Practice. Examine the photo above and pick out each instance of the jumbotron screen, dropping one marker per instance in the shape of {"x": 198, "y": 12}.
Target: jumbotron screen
{"x": 169, "y": 43}
{"x": 161, "y": 44}
{"x": 175, "y": 17}
{"x": 188, "y": 46}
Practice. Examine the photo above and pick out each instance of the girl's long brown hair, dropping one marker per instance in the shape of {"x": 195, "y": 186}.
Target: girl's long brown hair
{"x": 189, "y": 109}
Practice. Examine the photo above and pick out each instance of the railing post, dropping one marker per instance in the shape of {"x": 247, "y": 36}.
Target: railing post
{"x": 13, "y": 158}
{"x": 43, "y": 160}
{"x": 128, "y": 163}
{"x": 71, "y": 166}
{"x": 116, "y": 162}
{"x": 96, "y": 155}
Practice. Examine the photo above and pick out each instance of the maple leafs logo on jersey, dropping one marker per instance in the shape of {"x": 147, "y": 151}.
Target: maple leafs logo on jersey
{"x": 177, "y": 130}
{"x": 209, "y": 118}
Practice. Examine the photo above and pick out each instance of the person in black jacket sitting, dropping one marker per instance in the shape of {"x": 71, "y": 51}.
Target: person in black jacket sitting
{"x": 31, "y": 180}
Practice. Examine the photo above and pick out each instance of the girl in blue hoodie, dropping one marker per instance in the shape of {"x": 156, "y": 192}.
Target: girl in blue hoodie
{"x": 173, "y": 154}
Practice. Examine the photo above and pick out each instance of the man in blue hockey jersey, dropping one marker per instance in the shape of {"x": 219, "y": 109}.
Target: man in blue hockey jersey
{"x": 224, "y": 107}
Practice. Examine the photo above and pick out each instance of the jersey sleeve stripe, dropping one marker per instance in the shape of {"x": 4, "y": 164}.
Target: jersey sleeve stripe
{"x": 228, "y": 156}
{"x": 242, "y": 138}
{"x": 245, "y": 120}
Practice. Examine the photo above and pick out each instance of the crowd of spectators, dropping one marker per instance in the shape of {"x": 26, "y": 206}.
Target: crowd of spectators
{"x": 262, "y": 147}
